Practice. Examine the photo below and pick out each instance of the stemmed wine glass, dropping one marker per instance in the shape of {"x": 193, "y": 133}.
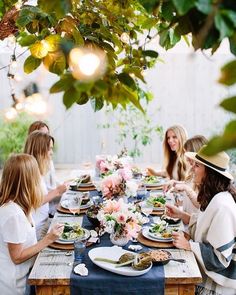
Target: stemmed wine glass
{"x": 74, "y": 205}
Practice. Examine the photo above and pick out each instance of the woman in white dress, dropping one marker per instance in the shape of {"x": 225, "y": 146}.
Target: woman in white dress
{"x": 50, "y": 178}
{"x": 213, "y": 229}
{"x": 40, "y": 145}
{"x": 175, "y": 165}
{"x": 20, "y": 194}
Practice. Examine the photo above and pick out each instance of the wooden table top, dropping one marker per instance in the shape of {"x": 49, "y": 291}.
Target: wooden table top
{"x": 53, "y": 267}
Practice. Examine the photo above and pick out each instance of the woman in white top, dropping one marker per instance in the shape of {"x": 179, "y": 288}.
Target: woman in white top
{"x": 213, "y": 230}
{"x": 50, "y": 178}
{"x": 40, "y": 145}
{"x": 20, "y": 194}
{"x": 175, "y": 165}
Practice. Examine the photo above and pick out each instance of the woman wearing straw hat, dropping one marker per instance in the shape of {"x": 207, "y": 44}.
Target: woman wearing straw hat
{"x": 213, "y": 229}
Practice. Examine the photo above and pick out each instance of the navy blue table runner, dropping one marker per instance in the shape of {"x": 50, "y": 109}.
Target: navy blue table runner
{"x": 102, "y": 282}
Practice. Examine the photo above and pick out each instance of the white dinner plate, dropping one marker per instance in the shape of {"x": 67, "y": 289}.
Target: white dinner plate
{"x": 65, "y": 241}
{"x": 150, "y": 236}
{"x": 114, "y": 253}
{"x": 64, "y": 204}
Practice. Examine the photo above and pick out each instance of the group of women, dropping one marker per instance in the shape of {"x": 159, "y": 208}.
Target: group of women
{"x": 209, "y": 208}
{"x": 28, "y": 185}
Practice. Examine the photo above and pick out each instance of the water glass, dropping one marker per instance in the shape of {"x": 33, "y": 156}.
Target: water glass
{"x": 141, "y": 193}
{"x": 79, "y": 248}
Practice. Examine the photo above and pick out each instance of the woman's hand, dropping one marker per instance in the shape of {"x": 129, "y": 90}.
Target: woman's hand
{"x": 173, "y": 211}
{"x": 169, "y": 185}
{"x": 179, "y": 241}
{"x": 61, "y": 189}
{"x": 55, "y": 232}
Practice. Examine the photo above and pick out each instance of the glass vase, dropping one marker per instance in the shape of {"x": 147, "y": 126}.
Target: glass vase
{"x": 118, "y": 239}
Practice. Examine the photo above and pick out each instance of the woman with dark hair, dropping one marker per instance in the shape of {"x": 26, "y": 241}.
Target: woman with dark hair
{"x": 213, "y": 229}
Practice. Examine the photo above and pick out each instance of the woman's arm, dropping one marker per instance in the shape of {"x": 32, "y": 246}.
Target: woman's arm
{"x": 55, "y": 193}
{"x": 151, "y": 171}
{"x": 20, "y": 254}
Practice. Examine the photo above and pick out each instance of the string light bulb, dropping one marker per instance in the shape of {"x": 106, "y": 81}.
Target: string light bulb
{"x": 87, "y": 63}
{"x": 35, "y": 104}
{"x": 10, "y": 114}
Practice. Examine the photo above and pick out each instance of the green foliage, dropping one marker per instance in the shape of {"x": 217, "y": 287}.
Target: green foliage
{"x": 227, "y": 140}
{"x": 13, "y": 135}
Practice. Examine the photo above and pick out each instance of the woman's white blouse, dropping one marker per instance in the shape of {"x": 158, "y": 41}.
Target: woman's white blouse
{"x": 14, "y": 228}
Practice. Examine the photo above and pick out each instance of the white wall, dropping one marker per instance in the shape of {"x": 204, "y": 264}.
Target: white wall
{"x": 184, "y": 86}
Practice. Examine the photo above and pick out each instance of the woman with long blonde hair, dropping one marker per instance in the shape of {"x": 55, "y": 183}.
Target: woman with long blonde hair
{"x": 175, "y": 165}
{"x": 20, "y": 194}
{"x": 40, "y": 145}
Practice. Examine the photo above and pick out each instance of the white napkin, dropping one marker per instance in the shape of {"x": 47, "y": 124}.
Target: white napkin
{"x": 81, "y": 270}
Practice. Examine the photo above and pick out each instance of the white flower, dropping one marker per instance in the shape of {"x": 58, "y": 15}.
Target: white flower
{"x": 131, "y": 188}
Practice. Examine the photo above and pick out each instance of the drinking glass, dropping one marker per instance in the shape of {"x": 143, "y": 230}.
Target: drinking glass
{"x": 141, "y": 192}
{"x": 79, "y": 248}
{"x": 146, "y": 208}
{"x": 74, "y": 204}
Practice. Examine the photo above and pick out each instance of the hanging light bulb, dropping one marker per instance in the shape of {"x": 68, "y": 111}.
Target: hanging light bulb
{"x": 87, "y": 63}
{"x": 124, "y": 37}
{"x": 35, "y": 104}
{"x": 18, "y": 4}
{"x": 17, "y": 78}
{"x": 19, "y": 106}
{"x": 10, "y": 114}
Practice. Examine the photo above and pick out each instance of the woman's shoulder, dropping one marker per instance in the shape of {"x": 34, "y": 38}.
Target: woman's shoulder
{"x": 10, "y": 208}
{"x": 224, "y": 200}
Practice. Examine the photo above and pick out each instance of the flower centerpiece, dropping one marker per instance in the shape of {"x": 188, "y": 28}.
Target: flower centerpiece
{"x": 120, "y": 220}
{"x": 119, "y": 183}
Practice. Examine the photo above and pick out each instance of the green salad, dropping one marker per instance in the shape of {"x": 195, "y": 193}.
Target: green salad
{"x": 157, "y": 201}
{"x": 151, "y": 179}
{"x": 72, "y": 231}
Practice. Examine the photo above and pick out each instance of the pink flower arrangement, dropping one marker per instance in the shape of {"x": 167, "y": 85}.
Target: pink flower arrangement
{"x": 119, "y": 217}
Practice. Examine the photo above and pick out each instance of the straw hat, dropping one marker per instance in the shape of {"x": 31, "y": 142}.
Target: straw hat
{"x": 218, "y": 162}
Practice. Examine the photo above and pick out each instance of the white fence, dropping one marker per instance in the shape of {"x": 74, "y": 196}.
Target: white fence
{"x": 185, "y": 89}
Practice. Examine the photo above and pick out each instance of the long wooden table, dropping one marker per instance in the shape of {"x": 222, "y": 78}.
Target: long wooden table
{"x": 52, "y": 268}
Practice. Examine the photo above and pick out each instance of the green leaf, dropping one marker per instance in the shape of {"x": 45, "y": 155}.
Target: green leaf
{"x": 31, "y": 63}
{"x": 27, "y": 40}
{"x": 232, "y": 42}
{"x": 131, "y": 96}
{"x": 223, "y": 25}
{"x": 97, "y": 103}
{"x": 79, "y": 40}
{"x": 229, "y": 104}
{"x": 25, "y": 17}
{"x": 205, "y": 6}
{"x": 174, "y": 37}
{"x": 60, "y": 8}
{"x": 150, "y": 53}
{"x": 127, "y": 80}
{"x": 39, "y": 49}
{"x": 64, "y": 84}
{"x": 149, "y": 5}
{"x": 168, "y": 11}
{"x": 55, "y": 62}
{"x": 53, "y": 42}
{"x": 70, "y": 97}
{"x": 82, "y": 99}
{"x": 183, "y": 6}
{"x": 224, "y": 142}
{"x": 228, "y": 73}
